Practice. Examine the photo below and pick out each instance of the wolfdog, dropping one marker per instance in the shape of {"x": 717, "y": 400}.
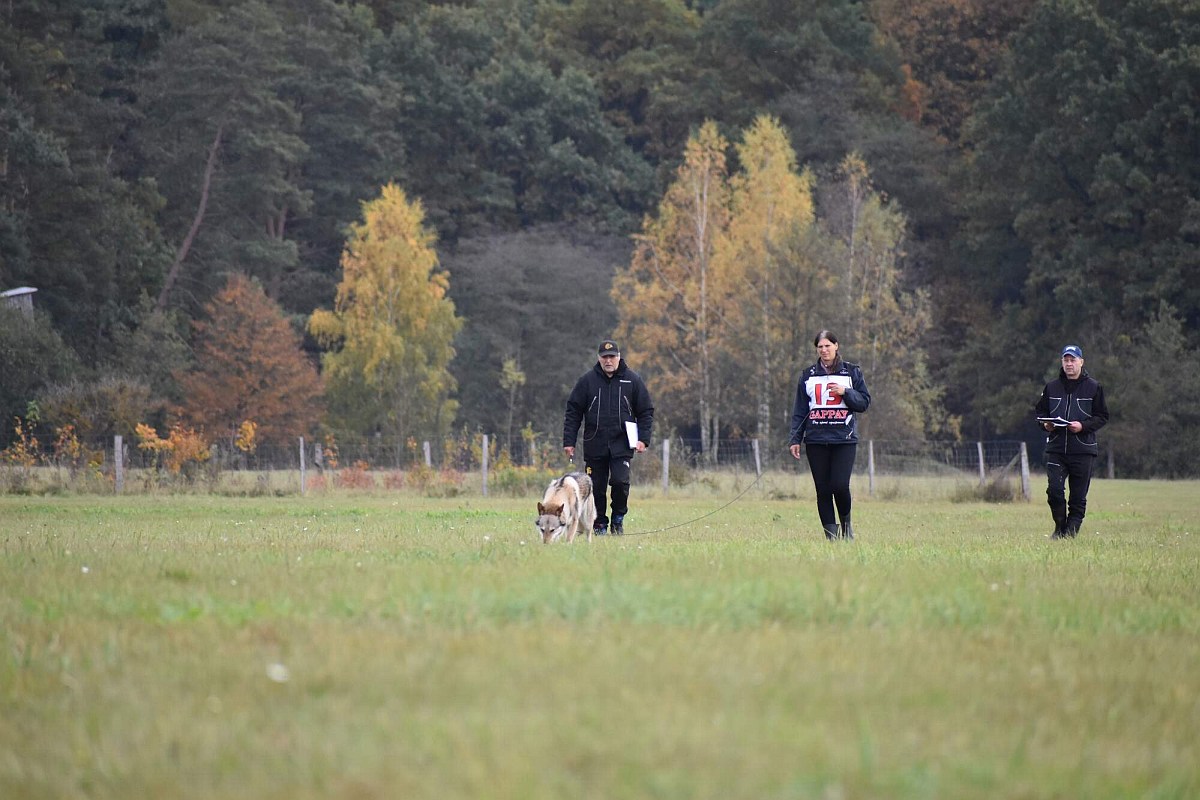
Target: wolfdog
{"x": 567, "y": 505}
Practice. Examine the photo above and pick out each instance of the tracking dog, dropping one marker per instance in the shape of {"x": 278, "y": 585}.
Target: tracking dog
{"x": 568, "y": 504}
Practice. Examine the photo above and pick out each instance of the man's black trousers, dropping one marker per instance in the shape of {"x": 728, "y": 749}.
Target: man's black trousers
{"x": 1073, "y": 472}
{"x": 605, "y": 472}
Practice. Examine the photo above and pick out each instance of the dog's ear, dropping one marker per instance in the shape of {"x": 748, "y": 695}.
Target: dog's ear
{"x": 541, "y": 509}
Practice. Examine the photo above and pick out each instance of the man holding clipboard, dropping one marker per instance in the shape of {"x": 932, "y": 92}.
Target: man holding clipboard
{"x": 617, "y": 415}
{"x": 1070, "y": 410}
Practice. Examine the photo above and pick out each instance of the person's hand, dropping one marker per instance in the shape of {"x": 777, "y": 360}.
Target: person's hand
{"x": 837, "y": 390}
{"x": 1075, "y": 426}
{"x": 570, "y": 451}
{"x": 641, "y": 447}
{"x": 795, "y": 450}
{"x": 1049, "y": 426}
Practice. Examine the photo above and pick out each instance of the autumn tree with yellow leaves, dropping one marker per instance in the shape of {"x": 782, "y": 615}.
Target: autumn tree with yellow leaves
{"x": 389, "y": 337}
{"x": 710, "y": 300}
{"x": 764, "y": 257}
{"x": 672, "y": 300}
{"x": 729, "y": 282}
{"x": 882, "y": 321}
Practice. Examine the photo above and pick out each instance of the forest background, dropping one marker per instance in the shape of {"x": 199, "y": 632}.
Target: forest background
{"x": 416, "y": 219}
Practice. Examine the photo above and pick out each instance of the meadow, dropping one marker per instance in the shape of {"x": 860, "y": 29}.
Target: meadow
{"x": 390, "y": 645}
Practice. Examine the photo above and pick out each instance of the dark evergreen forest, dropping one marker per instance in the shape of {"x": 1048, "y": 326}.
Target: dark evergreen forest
{"x": 1044, "y": 156}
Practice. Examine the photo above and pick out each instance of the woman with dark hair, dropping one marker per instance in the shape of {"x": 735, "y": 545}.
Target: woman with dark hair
{"x": 828, "y": 396}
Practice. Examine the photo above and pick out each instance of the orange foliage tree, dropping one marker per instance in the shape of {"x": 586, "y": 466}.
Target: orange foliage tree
{"x": 180, "y": 453}
{"x": 249, "y": 366}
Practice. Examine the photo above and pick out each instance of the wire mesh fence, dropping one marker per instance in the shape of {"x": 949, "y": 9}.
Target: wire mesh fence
{"x": 890, "y": 457}
{"x": 457, "y": 464}
{"x": 971, "y": 462}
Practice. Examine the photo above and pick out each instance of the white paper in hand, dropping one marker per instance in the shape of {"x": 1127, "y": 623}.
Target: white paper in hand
{"x": 631, "y": 433}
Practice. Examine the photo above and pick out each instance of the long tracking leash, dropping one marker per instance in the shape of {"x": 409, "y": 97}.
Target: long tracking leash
{"x": 697, "y": 519}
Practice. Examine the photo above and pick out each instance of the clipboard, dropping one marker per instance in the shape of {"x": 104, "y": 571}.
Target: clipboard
{"x": 631, "y": 433}
{"x": 1058, "y": 422}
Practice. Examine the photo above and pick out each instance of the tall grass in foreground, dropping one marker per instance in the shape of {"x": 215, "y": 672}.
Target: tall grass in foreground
{"x": 399, "y": 646}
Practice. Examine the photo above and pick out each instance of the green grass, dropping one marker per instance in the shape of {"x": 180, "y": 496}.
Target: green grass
{"x": 433, "y": 648}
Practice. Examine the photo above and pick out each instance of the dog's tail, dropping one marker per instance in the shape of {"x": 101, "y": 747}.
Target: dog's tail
{"x": 584, "y": 482}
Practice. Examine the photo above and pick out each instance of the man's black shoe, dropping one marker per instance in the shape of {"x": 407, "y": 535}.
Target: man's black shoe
{"x": 600, "y": 530}
{"x": 618, "y": 528}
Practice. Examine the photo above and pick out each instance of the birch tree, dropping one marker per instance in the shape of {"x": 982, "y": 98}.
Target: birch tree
{"x": 512, "y": 378}
{"x": 883, "y": 319}
{"x": 670, "y": 302}
{"x": 772, "y": 206}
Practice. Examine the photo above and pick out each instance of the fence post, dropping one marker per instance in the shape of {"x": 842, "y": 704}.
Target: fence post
{"x": 428, "y": 456}
{"x": 1025, "y": 489}
{"x": 982, "y": 466}
{"x": 1111, "y": 471}
{"x": 666, "y": 465}
{"x": 118, "y": 463}
{"x": 485, "y": 463}
{"x": 757, "y": 460}
{"x": 870, "y": 467}
{"x": 302, "y": 483}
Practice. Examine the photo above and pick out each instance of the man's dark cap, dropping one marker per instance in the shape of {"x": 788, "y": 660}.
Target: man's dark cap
{"x": 1072, "y": 350}
{"x": 608, "y": 347}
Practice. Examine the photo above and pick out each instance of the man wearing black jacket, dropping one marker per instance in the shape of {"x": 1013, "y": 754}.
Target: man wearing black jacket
{"x": 605, "y": 399}
{"x": 1070, "y": 410}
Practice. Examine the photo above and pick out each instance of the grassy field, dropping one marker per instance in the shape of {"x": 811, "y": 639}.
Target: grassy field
{"x": 393, "y": 646}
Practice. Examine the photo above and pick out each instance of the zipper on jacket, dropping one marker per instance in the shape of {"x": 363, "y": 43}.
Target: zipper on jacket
{"x": 1066, "y": 443}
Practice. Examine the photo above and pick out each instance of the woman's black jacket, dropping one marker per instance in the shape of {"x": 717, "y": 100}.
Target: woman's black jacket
{"x": 818, "y": 417}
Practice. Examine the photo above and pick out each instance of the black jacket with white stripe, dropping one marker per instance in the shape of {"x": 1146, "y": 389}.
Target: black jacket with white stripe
{"x": 1080, "y": 400}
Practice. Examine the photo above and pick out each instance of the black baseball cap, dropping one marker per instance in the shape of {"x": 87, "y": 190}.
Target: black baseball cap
{"x": 1073, "y": 350}
{"x": 608, "y": 347}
